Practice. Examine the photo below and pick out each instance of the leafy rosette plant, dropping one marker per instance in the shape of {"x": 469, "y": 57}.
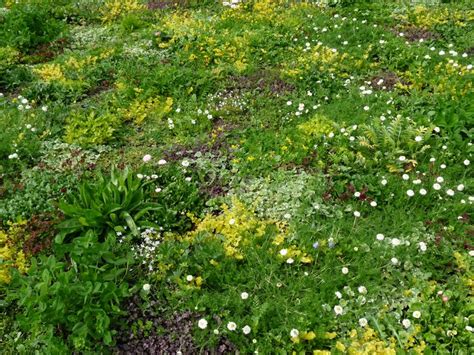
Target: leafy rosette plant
{"x": 111, "y": 203}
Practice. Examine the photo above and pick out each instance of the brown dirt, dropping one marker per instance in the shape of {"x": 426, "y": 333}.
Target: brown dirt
{"x": 414, "y": 34}
{"x": 390, "y": 79}
{"x": 262, "y": 80}
{"x": 48, "y": 51}
{"x": 167, "y": 4}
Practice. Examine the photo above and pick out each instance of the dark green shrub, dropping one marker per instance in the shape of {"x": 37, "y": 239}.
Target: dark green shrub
{"x": 29, "y": 24}
{"x": 70, "y": 299}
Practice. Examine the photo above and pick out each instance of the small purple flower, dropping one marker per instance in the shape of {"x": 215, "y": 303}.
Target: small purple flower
{"x": 316, "y": 245}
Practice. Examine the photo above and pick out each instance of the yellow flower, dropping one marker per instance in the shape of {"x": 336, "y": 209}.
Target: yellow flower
{"x": 113, "y": 9}
{"x": 50, "y": 72}
{"x": 340, "y": 346}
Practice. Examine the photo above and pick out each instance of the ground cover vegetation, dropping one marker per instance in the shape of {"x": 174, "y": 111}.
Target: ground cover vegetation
{"x": 255, "y": 176}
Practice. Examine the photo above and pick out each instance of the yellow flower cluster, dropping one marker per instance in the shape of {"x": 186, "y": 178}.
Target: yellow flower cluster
{"x": 50, "y": 72}
{"x": 316, "y": 126}
{"x": 429, "y": 17}
{"x": 237, "y": 226}
{"x": 77, "y": 64}
{"x": 324, "y": 58}
{"x": 265, "y": 9}
{"x": 113, "y": 9}
{"x": 367, "y": 343}
{"x": 11, "y": 254}
{"x": 447, "y": 78}
{"x": 8, "y": 57}
{"x": 139, "y": 110}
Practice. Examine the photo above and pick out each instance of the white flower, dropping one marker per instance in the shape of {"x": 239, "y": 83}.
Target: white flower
{"x": 405, "y": 177}
{"x": 460, "y": 187}
{"x": 338, "y": 294}
{"x": 366, "y": 108}
{"x": 384, "y": 182}
{"x": 246, "y": 330}
{"x": 380, "y": 236}
{"x": 13, "y": 156}
{"x": 294, "y": 333}
{"x": 161, "y": 162}
{"x": 418, "y": 138}
{"x": 158, "y": 189}
{"x": 417, "y": 314}
{"x": 216, "y": 331}
{"x": 410, "y": 193}
{"x": 402, "y": 158}
{"x": 373, "y": 204}
{"x": 345, "y": 270}
{"x": 231, "y": 326}
{"x": 146, "y": 287}
{"x": 450, "y": 192}
{"x": 283, "y": 252}
{"x": 439, "y": 179}
{"x": 417, "y": 182}
{"x": 437, "y": 186}
{"x": 185, "y": 163}
{"x": 394, "y": 261}
{"x": 244, "y": 295}
{"x": 188, "y": 179}
{"x": 441, "y": 52}
{"x": 146, "y": 158}
{"x": 44, "y": 108}
{"x": 422, "y": 246}
{"x": 357, "y": 194}
{"x": 466, "y": 162}
{"x": 469, "y": 328}
{"x": 338, "y": 310}
{"x": 189, "y": 278}
{"x": 290, "y": 261}
{"x": 232, "y": 221}
{"x": 362, "y": 290}
{"x": 363, "y": 322}
{"x": 202, "y": 323}
{"x": 396, "y": 242}
{"x": 289, "y": 103}
{"x": 356, "y": 214}
{"x": 406, "y": 323}
{"x": 140, "y": 176}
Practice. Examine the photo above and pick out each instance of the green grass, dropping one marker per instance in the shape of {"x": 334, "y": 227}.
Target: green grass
{"x": 318, "y": 158}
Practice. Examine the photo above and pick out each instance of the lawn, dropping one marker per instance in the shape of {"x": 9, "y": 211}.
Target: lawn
{"x": 254, "y": 176}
